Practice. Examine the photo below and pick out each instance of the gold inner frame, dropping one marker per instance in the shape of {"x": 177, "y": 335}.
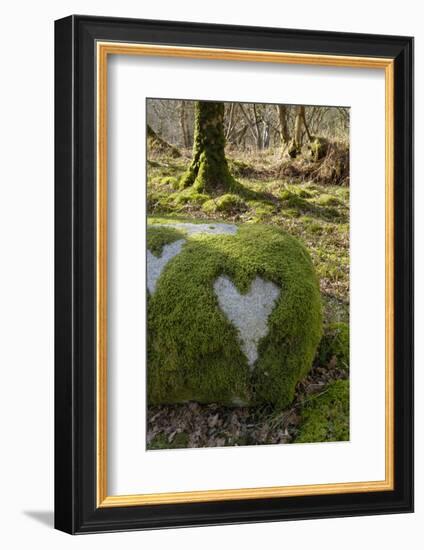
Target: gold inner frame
{"x": 104, "y": 49}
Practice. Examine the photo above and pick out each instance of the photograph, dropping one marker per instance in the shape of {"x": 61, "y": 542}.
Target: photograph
{"x": 233, "y": 274}
{"x": 247, "y": 258}
{"x": 209, "y": 308}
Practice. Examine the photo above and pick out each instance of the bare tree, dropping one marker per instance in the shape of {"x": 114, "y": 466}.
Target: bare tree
{"x": 253, "y": 121}
{"x": 249, "y": 126}
{"x": 183, "y": 123}
{"x": 283, "y": 127}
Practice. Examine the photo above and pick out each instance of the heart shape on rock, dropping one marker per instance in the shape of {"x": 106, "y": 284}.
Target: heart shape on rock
{"x": 156, "y": 265}
{"x": 248, "y": 312}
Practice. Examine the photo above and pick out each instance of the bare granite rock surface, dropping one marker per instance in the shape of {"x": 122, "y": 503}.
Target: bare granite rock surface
{"x": 248, "y": 312}
{"x": 208, "y": 228}
{"x": 155, "y": 265}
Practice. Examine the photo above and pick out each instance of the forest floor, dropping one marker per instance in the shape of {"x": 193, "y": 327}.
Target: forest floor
{"x": 290, "y": 196}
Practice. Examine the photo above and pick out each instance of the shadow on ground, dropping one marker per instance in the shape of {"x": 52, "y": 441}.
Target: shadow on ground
{"x": 46, "y": 517}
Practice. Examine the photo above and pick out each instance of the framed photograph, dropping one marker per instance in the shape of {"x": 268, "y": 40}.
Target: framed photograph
{"x": 234, "y": 274}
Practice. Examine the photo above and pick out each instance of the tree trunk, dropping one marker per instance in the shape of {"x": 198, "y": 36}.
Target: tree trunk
{"x": 253, "y": 126}
{"x": 208, "y": 172}
{"x": 295, "y": 145}
{"x": 300, "y": 117}
{"x": 305, "y": 125}
{"x": 230, "y": 121}
{"x": 183, "y": 124}
{"x": 284, "y": 131}
{"x": 259, "y": 141}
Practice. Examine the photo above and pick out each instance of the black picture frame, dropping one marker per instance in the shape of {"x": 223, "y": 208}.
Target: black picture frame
{"x": 76, "y": 510}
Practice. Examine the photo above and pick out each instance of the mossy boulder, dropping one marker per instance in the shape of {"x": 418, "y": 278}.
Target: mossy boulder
{"x": 234, "y": 314}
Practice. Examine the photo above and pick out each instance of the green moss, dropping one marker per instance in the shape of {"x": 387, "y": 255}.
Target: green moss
{"x": 164, "y": 202}
{"x": 209, "y": 206}
{"x": 312, "y": 189}
{"x": 334, "y": 345}
{"x": 230, "y": 203}
{"x": 330, "y": 213}
{"x": 189, "y": 196}
{"x": 158, "y": 201}
{"x": 241, "y": 168}
{"x": 292, "y": 199}
{"x": 225, "y": 203}
{"x": 158, "y": 237}
{"x": 171, "y": 181}
{"x": 343, "y": 193}
{"x": 161, "y": 441}
{"x": 318, "y": 148}
{"x": 194, "y": 351}
{"x": 311, "y": 225}
{"x": 327, "y": 200}
{"x": 326, "y": 416}
{"x": 291, "y": 213}
{"x": 285, "y": 195}
{"x": 167, "y": 168}
{"x": 304, "y": 193}
{"x": 262, "y": 208}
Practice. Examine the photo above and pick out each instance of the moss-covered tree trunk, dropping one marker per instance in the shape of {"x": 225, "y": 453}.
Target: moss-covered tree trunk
{"x": 208, "y": 171}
